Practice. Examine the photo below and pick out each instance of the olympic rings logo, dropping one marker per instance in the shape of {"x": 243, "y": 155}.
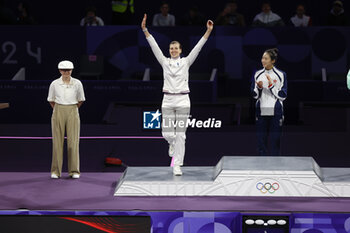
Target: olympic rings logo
{"x": 267, "y": 187}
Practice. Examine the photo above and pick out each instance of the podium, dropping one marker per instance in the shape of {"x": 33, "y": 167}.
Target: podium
{"x": 4, "y": 105}
{"x": 240, "y": 176}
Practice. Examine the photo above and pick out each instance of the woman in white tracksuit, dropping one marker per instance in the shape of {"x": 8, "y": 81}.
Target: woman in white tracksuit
{"x": 269, "y": 88}
{"x": 176, "y": 102}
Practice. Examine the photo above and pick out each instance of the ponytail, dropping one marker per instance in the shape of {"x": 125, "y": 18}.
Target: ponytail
{"x": 273, "y": 53}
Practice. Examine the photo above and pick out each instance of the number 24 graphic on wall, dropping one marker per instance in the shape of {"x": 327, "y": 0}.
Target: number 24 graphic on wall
{"x": 9, "y": 48}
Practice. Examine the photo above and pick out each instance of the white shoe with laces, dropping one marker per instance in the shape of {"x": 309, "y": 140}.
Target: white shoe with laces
{"x": 76, "y": 176}
{"x": 177, "y": 170}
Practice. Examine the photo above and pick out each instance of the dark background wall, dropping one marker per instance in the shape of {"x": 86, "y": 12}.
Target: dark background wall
{"x": 235, "y": 52}
{"x": 70, "y": 12}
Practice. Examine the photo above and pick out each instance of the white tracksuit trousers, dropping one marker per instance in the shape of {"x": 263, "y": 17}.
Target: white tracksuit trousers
{"x": 175, "y": 112}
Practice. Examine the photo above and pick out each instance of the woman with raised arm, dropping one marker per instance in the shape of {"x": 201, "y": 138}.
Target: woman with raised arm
{"x": 176, "y": 102}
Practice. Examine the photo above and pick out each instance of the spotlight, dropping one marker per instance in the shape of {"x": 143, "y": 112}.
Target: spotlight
{"x": 249, "y": 221}
{"x": 265, "y": 223}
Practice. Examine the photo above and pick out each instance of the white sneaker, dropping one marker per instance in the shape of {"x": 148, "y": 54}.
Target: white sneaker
{"x": 171, "y": 149}
{"x": 177, "y": 171}
{"x": 54, "y": 176}
{"x": 76, "y": 176}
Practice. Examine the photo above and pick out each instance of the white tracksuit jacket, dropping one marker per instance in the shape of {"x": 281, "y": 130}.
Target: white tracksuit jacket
{"x": 270, "y": 99}
{"x": 175, "y": 71}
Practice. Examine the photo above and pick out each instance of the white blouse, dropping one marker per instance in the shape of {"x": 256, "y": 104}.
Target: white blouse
{"x": 66, "y": 94}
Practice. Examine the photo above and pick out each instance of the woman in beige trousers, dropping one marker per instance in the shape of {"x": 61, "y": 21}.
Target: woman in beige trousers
{"x": 66, "y": 95}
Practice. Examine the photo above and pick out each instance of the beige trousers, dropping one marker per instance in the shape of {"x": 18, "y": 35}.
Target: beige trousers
{"x": 65, "y": 118}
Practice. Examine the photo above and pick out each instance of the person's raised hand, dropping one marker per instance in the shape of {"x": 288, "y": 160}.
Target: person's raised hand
{"x": 210, "y": 25}
{"x": 143, "y": 23}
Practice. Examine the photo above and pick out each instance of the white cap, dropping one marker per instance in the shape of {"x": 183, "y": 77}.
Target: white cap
{"x": 65, "y": 65}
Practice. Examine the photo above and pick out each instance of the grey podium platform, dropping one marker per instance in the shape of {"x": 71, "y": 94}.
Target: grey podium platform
{"x": 239, "y": 176}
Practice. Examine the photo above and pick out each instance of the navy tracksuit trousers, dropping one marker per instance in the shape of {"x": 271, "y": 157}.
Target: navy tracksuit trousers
{"x": 269, "y": 130}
